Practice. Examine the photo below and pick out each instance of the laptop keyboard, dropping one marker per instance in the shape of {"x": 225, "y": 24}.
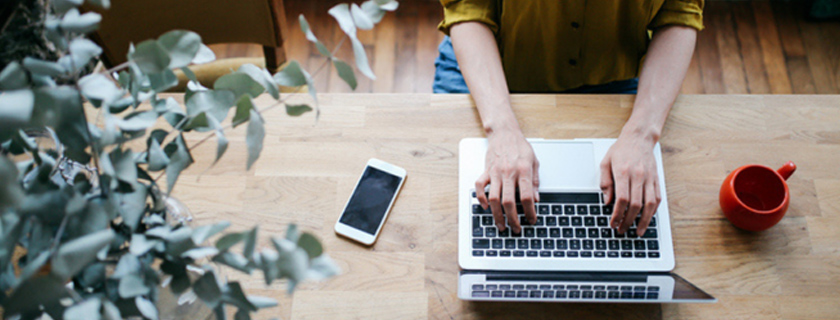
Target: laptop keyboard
{"x": 569, "y": 225}
{"x": 596, "y": 291}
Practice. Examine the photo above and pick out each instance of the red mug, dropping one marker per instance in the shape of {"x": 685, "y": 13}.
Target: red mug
{"x": 755, "y": 197}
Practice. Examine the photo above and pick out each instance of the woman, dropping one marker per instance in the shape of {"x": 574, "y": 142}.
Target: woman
{"x": 603, "y": 46}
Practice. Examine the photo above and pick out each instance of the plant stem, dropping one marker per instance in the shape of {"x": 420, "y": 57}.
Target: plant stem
{"x": 117, "y": 67}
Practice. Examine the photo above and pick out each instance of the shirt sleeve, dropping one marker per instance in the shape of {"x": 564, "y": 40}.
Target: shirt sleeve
{"x": 456, "y": 11}
{"x": 679, "y": 12}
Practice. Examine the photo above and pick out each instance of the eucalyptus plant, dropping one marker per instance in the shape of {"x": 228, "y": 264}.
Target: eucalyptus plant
{"x": 83, "y": 221}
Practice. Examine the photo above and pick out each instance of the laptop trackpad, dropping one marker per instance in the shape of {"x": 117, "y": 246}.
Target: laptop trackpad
{"x": 567, "y": 165}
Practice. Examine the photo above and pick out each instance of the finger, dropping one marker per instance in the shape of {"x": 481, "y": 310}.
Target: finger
{"x": 536, "y": 180}
{"x": 607, "y": 180}
{"x": 480, "y": 184}
{"x": 649, "y": 207}
{"x": 621, "y": 187}
{"x": 509, "y": 204}
{"x": 495, "y": 200}
{"x": 526, "y": 197}
{"x": 637, "y": 190}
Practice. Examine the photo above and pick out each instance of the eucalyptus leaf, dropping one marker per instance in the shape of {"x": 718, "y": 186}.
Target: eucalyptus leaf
{"x": 61, "y": 6}
{"x": 74, "y": 22}
{"x": 322, "y": 267}
{"x": 346, "y": 73}
{"x": 75, "y": 254}
{"x": 229, "y": 240}
{"x": 254, "y": 138}
{"x": 62, "y": 108}
{"x": 262, "y": 77}
{"x": 203, "y": 233}
{"x": 361, "y": 58}
{"x": 341, "y": 13}
{"x": 132, "y": 285}
{"x": 373, "y": 11}
{"x": 250, "y": 243}
{"x": 292, "y": 75}
{"x": 304, "y": 26}
{"x": 16, "y": 107}
{"x": 199, "y": 253}
{"x": 10, "y": 193}
{"x": 104, "y": 4}
{"x": 81, "y": 51}
{"x": 146, "y": 307}
{"x": 189, "y": 73}
{"x": 150, "y": 57}
{"x": 85, "y": 310}
{"x": 268, "y": 265}
{"x": 216, "y": 103}
{"x": 13, "y": 77}
{"x": 180, "y": 283}
{"x": 233, "y": 260}
{"x": 43, "y": 67}
{"x": 243, "y": 110}
{"x": 239, "y": 83}
{"x": 292, "y": 233}
{"x": 242, "y": 314}
{"x": 163, "y": 81}
{"x": 140, "y": 244}
{"x": 262, "y": 302}
{"x": 235, "y": 296}
{"x": 310, "y": 244}
{"x": 388, "y": 5}
{"x": 109, "y": 310}
{"x": 182, "y": 46}
{"x": 179, "y": 159}
{"x": 156, "y": 157}
{"x": 199, "y": 121}
{"x": 221, "y": 145}
{"x": 138, "y": 121}
{"x": 361, "y": 18}
{"x": 96, "y": 86}
{"x": 132, "y": 205}
{"x": 127, "y": 265}
{"x": 204, "y": 55}
{"x": 297, "y": 110}
{"x": 206, "y": 288}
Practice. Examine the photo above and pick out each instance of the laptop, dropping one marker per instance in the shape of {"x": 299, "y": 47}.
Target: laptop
{"x": 570, "y": 254}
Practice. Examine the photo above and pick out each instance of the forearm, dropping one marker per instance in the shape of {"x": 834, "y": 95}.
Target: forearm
{"x": 480, "y": 63}
{"x": 666, "y": 64}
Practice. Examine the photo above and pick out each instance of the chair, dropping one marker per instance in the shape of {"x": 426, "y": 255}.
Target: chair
{"x": 216, "y": 21}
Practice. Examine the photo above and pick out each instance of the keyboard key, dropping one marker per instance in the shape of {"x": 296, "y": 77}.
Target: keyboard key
{"x": 572, "y": 287}
{"x": 606, "y": 233}
{"x": 520, "y": 253}
{"x": 589, "y": 221}
{"x": 619, "y": 235}
{"x": 613, "y": 244}
{"x": 603, "y": 221}
{"x": 563, "y": 221}
{"x": 498, "y": 244}
{"x": 638, "y": 288}
{"x": 542, "y": 232}
{"x": 558, "y": 287}
{"x": 533, "y": 254}
{"x": 540, "y": 221}
{"x": 653, "y": 245}
{"x": 504, "y": 253}
{"x": 478, "y": 232}
{"x": 559, "y": 254}
{"x": 490, "y": 232}
{"x": 612, "y": 288}
{"x": 626, "y": 254}
{"x": 580, "y": 232}
{"x": 653, "y": 254}
{"x": 522, "y": 294}
{"x": 588, "y": 244}
{"x": 504, "y": 287}
{"x": 487, "y": 220}
{"x": 574, "y": 294}
{"x": 652, "y": 222}
{"x": 477, "y": 253}
{"x": 638, "y": 295}
{"x": 607, "y": 210}
{"x": 543, "y": 209}
{"x": 586, "y": 254}
{"x": 574, "y": 244}
{"x": 626, "y": 244}
{"x": 478, "y": 287}
{"x": 653, "y": 288}
{"x": 510, "y": 294}
{"x": 481, "y": 294}
{"x": 568, "y": 232}
{"x": 653, "y": 295}
{"x": 631, "y": 233}
{"x": 587, "y": 295}
{"x": 514, "y": 234}
{"x": 522, "y": 244}
{"x": 492, "y": 253}
{"x": 476, "y": 208}
{"x": 600, "y": 294}
{"x": 535, "y": 294}
{"x": 491, "y": 287}
{"x": 519, "y": 209}
{"x": 593, "y": 232}
{"x": 555, "y": 232}
{"x": 569, "y": 209}
{"x": 562, "y": 244}
{"x": 594, "y": 210}
{"x": 476, "y": 222}
{"x": 600, "y": 254}
{"x": 577, "y": 221}
{"x": 548, "y": 244}
{"x": 510, "y": 244}
{"x": 601, "y": 244}
{"x": 548, "y": 294}
{"x": 536, "y": 244}
{"x": 582, "y": 210}
{"x": 560, "y": 294}
{"x": 612, "y": 254}
{"x": 550, "y": 221}
{"x": 545, "y": 287}
{"x": 649, "y": 234}
{"x": 505, "y": 234}
{"x": 595, "y": 288}
{"x": 496, "y": 294}
{"x": 545, "y": 254}
{"x": 531, "y": 287}
{"x": 529, "y": 232}
{"x": 556, "y": 209}
{"x": 639, "y": 244}
{"x": 612, "y": 295}
{"x": 481, "y": 244}
{"x": 626, "y": 295}
{"x": 640, "y": 254}
{"x": 523, "y": 221}
{"x": 626, "y": 288}
{"x": 572, "y": 254}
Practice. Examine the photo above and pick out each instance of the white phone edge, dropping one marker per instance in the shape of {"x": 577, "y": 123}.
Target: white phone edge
{"x": 356, "y": 234}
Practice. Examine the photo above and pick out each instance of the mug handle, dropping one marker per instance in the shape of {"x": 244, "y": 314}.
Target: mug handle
{"x": 787, "y": 170}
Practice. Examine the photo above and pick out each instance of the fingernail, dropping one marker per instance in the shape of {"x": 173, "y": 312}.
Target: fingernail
{"x": 500, "y": 226}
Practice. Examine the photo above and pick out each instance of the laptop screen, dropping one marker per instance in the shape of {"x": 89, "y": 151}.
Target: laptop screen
{"x": 619, "y": 287}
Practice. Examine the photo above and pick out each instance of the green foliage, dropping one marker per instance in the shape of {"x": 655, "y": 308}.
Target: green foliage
{"x": 87, "y": 209}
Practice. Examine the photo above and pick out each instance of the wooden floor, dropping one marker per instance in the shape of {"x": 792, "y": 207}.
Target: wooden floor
{"x": 748, "y": 47}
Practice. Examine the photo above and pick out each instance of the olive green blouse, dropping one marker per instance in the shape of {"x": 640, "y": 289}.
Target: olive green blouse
{"x": 556, "y": 45}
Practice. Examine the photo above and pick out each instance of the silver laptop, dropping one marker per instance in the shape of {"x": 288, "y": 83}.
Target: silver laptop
{"x": 570, "y": 254}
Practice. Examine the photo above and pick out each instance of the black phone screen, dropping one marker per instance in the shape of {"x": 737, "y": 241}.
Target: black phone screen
{"x": 369, "y": 203}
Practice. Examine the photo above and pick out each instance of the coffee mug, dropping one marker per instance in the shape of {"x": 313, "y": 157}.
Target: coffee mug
{"x": 755, "y": 197}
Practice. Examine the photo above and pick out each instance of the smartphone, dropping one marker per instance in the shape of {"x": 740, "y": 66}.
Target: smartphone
{"x": 371, "y": 200}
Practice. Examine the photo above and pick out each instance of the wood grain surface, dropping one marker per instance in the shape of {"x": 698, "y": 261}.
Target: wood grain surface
{"x": 308, "y": 169}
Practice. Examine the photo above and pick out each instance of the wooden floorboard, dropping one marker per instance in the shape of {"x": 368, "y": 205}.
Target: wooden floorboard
{"x": 747, "y": 47}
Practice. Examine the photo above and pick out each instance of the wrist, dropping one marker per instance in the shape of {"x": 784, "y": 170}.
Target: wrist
{"x": 642, "y": 130}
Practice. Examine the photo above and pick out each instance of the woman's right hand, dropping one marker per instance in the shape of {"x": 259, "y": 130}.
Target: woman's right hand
{"x": 510, "y": 163}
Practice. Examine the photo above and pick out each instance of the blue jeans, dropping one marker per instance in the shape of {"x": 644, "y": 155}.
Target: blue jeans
{"x": 448, "y": 77}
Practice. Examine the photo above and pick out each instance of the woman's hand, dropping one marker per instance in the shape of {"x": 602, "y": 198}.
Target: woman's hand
{"x": 510, "y": 163}
{"x": 630, "y": 180}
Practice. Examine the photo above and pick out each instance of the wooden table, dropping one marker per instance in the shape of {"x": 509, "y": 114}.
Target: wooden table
{"x": 307, "y": 171}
